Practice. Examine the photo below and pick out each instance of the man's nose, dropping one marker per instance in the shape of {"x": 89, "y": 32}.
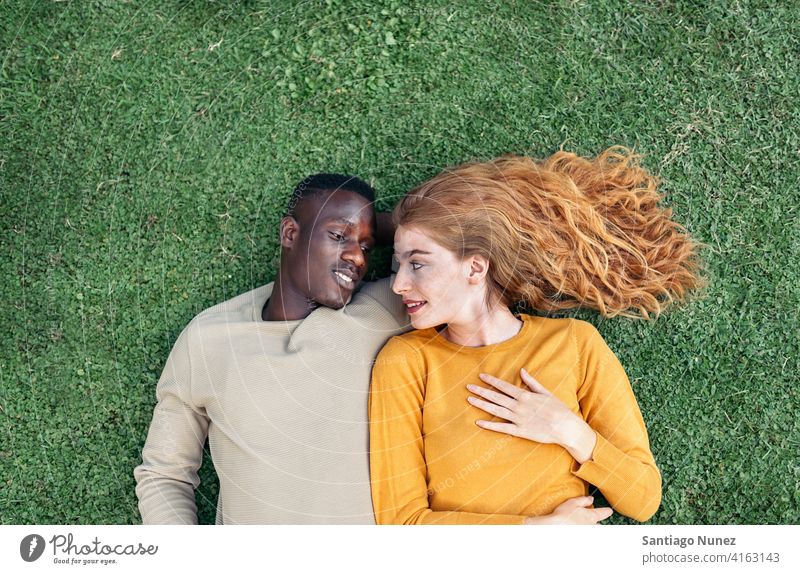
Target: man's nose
{"x": 354, "y": 254}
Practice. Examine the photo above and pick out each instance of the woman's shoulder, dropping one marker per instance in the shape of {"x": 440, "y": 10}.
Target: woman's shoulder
{"x": 403, "y": 347}
{"x": 581, "y": 330}
{"x": 402, "y": 356}
{"x": 412, "y": 340}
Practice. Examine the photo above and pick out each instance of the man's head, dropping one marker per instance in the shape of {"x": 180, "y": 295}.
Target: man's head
{"x": 326, "y": 237}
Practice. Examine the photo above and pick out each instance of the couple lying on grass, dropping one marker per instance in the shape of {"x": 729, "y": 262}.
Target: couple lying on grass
{"x": 321, "y": 406}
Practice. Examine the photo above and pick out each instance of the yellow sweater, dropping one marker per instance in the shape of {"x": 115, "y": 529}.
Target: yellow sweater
{"x": 430, "y": 463}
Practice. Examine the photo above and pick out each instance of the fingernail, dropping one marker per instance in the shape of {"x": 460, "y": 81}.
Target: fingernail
{"x": 470, "y": 399}
{"x": 471, "y": 387}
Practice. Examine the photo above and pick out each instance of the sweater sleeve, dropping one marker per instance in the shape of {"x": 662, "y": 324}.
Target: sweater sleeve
{"x": 397, "y": 454}
{"x": 622, "y": 466}
{"x": 173, "y": 452}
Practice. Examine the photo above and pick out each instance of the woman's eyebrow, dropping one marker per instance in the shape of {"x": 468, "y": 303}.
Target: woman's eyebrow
{"x": 412, "y": 253}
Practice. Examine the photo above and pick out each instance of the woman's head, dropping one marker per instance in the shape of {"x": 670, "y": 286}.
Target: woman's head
{"x": 437, "y": 285}
{"x": 558, "y": 233}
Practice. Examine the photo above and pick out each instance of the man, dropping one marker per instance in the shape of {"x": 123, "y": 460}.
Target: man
{"x": 278, "y": 379}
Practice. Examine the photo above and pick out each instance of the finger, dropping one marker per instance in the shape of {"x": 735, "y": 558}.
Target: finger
{"x": 505, "y": 428}
{"x": 535, "y": 385}
{"x": 601, "y": 513}
{"x": 502, "y": 386}
{"x": 495, "y": 397}
{"x": 578, "y": 501}
{"x": 491, "y": 408}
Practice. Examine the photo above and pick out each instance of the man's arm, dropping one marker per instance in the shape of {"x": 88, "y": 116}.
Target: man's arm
{"x": 167, "y": 477}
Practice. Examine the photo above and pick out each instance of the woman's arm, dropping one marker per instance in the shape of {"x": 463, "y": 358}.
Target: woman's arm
{"x": 622, "y": 465}
{"x": 609, "y": 444}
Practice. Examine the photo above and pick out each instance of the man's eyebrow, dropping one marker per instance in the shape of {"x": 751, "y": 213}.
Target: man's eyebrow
{"x": 413, "y": 252}
{"x": 344, "y": 221}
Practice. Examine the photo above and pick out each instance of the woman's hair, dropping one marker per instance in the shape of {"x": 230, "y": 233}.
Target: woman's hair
{"x": 562, "y": 232}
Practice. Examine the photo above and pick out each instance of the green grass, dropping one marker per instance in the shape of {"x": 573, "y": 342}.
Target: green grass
{"x": 148, "y": 151}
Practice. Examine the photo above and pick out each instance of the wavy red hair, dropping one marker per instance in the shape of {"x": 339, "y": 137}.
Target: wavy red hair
{"x": 562, "y": 232}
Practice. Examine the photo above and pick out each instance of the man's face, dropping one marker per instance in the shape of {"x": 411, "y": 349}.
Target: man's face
{"x": 328, "y": 255}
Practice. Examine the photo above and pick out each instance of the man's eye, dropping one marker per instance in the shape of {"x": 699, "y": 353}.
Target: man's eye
{"x": 366, "y": 248}
{"x": 336, "y": 236}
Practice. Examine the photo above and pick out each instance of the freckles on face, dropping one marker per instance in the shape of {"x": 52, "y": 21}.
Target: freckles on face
{"x": 430, "y": 278}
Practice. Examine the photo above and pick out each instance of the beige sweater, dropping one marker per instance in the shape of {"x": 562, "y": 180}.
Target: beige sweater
{"x": 284, "y": 407}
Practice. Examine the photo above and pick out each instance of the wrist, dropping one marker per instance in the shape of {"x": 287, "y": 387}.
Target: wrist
{"x": 580, "y": 444}
{"x": 538, "y": 520}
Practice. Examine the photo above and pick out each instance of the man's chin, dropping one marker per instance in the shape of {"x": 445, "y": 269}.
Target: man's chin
{"x": 336, "y": 301}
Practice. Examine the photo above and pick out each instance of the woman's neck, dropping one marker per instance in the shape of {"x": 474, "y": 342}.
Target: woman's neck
{"x": 488, "y": 327}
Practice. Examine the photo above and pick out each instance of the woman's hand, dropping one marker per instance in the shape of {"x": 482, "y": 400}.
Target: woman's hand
{"x": 536, "y": 415}
{"x": 573, "y": 511}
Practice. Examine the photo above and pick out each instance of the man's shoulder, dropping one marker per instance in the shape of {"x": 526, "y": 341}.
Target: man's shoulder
{"x": 379, "y": 290}
{"x": 379, "y": 294}
{"x": 241, "y": 308}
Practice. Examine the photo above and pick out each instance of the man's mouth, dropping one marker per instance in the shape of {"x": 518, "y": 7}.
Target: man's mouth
{"x": 413, "y": 306}
{"x": 346, "y": 278}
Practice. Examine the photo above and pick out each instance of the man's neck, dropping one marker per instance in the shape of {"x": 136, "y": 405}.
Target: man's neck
{"x": 286, "y": 304}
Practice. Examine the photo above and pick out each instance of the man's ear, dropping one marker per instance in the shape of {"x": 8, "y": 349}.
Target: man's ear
{"x": 478, "y": 268}
{"x": 290, "y": 230}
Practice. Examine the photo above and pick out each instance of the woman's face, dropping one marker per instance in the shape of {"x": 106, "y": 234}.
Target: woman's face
{"x": 437, "y": 288}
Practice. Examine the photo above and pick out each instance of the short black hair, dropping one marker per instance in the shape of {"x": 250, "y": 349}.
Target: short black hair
{"x": 323, "y": 182}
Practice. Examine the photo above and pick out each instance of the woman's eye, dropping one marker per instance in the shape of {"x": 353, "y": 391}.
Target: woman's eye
{"x": 416, "y": 266}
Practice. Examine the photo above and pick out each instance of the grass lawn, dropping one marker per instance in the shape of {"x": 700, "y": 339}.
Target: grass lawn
{"x": 148, "y": 150}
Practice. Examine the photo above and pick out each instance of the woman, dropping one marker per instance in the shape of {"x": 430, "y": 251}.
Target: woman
{"x": 451, "y": 444}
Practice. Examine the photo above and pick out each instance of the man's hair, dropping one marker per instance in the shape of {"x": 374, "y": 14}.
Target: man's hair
{"x": 327, "y": 182}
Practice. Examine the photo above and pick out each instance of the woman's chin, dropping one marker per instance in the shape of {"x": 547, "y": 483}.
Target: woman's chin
{"x": 422, "y": 323}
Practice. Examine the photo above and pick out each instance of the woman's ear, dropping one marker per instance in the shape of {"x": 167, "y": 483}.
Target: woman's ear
{"x": 478, "y": 268}
{"x": 289, "y": 231}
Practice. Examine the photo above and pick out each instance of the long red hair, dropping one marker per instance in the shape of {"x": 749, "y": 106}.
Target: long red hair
{"x": 562, "y": 232}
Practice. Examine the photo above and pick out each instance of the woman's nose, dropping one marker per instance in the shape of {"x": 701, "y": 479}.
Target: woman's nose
{"x": 400, "y": 284}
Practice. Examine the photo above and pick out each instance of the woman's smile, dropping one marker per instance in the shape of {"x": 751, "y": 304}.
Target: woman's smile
{"x": 413, "y": 306}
